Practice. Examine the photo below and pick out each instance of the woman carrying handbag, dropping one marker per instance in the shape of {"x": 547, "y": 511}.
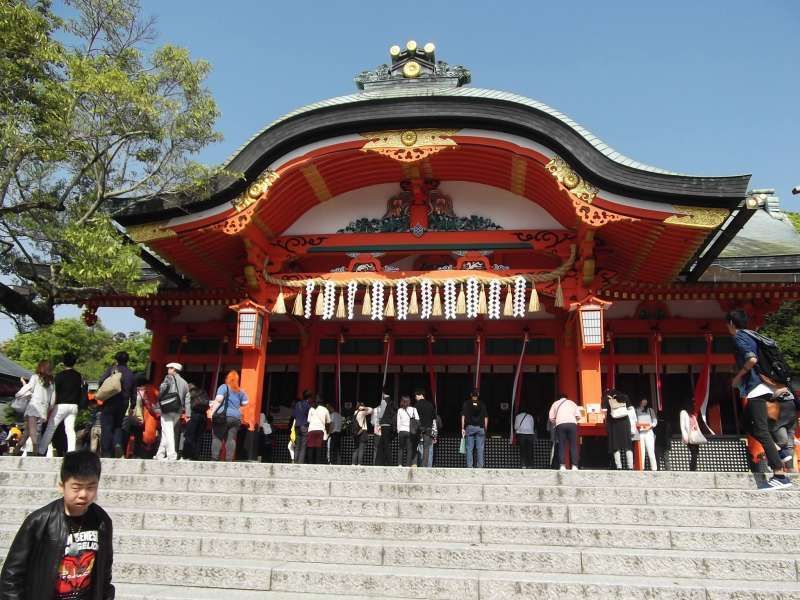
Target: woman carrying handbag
{"x": 690, "y": 433}
{"x": 40, "y": 389}
{"x": 226, "y": 417}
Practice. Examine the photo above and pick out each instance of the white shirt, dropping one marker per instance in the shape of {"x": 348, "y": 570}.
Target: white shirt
{"x": 336, "y": 422}
{"x": 266, "y": 428}
{"x": 523, "y": 423}
{"x": 404, "y": 416}
{"x": 317, "y": 419}
{"x": 378, "y": 413}
{"x": 686, "y": 426}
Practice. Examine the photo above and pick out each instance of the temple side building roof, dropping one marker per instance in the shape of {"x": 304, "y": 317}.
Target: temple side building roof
{"x": 9, "y": 368}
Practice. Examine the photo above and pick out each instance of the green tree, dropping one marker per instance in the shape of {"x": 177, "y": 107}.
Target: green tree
{"x": 784, "y": 327}
{"x": 91, "y": 115}
{"x": 136, "y": 344}
{"x": 794, "y": 218}
{"x": 95, "y": 347}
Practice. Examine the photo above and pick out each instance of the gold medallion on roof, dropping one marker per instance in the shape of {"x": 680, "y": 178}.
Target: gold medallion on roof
{"x": 412, "y": 69}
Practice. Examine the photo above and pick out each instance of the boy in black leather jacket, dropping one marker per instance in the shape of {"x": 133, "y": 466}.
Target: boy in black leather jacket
{"x": 63, "y": 551}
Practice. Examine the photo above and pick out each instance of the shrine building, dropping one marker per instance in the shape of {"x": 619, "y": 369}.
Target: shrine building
{"x": 423, "y": 233}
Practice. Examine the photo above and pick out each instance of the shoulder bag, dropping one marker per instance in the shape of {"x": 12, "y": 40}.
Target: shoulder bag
{"x": 22, "y": 398}
{"x": 170, "y": 402}
{"x": 220, "y": 416}
{"x": 413, "y": 424}
{"x": 617, "y": 409}
{"x": 696, "y": 436}
{"x": 111, "y": 386}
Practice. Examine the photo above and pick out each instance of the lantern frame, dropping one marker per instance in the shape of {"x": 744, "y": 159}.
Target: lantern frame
{"x": 591, "y": 322}
{"x": 250, "y": 318}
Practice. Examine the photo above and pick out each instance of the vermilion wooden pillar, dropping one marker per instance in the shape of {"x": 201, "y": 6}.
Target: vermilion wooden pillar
{"x": 254, "y": 366}
{"x": 589, "y": 376}
{"x": 567, "y": 361}
{"x": 157, "y": 322}
{"x": 307, "y": 375}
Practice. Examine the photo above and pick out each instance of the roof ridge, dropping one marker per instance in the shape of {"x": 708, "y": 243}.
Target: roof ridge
{"x": 470, "y": 92}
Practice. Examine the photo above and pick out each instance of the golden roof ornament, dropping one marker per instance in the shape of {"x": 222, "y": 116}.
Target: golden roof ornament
{"x": 415, "y": 64}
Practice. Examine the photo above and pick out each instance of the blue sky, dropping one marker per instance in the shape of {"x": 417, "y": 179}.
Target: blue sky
{"x": 707, "y": 88}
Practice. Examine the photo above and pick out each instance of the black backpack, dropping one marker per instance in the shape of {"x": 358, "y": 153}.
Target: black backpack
{"x": 771, "y": 362}
{"x": 355, "y": 428}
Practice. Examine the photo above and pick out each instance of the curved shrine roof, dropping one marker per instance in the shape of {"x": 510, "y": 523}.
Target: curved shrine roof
{"x": 431, "y": 95}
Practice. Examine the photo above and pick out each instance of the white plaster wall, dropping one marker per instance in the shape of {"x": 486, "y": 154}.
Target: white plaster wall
{"x": 508, "y": 210}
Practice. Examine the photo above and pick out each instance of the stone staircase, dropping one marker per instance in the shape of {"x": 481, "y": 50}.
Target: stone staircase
{"x": 189, "y": 530}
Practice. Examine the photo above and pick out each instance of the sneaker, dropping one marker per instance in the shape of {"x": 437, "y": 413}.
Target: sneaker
{"x": 785, "y": 454}
{"x": 562, "y": 468}
{"x": 574, "y": 468}
{"x": 777, "y": 482}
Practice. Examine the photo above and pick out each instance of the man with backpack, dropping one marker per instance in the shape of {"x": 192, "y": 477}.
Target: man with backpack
{"x": 359, "y": 428}
{"x": 759, "y": 380}
{"x": 300, "y": 416}
{"x": 114, "y": 408}
{"x": 173, "y": 399}
{"x": 427, "y": 416}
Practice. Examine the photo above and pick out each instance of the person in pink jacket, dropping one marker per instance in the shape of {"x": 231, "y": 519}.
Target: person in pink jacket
{"x": 564, "y": 415}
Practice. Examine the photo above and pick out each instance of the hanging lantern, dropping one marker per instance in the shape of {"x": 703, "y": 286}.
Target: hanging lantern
{"x": 249, "y": 324}
{"x": 591, "y": 320}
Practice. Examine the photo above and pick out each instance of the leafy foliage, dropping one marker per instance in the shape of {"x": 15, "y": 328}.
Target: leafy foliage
{"x": 95, "y": 347}
{"x": 90, "y": 115}
{"x": 795, "y": 219}
{"x": 784, "y": 327}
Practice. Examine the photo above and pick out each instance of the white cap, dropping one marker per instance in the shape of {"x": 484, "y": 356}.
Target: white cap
{"x": 175, "y": 365}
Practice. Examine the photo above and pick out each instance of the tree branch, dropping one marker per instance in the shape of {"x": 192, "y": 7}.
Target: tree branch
{"x": 19, "y": 304}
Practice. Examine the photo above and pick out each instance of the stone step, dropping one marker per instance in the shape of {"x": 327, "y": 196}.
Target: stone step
{"x": 445, "y": 584}
{"x": 644, "y": 480}
{"x": 675, "y": 516}
{"x": 544, "y": 534}
{"x": 127, "y": 591}
{"x": 498, "y": 557}
{"x": 284, "y": 580}
{"x": 266, "y": 489}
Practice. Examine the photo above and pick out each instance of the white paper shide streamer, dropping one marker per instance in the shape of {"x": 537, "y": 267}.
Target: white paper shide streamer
{"x": 426, "y": 292}
{"x": 352, "y": 289}
{"x": 449, "y": 299}
{"x": 473, "y": 295}
{"x": 402, "y": 299}
{"x": 519, "y": 296}
{"x": 494, "y": 299}
{"x": 309, "y": 299}
{"x": 329, "y": 299}
{"x": 377, "y": 301}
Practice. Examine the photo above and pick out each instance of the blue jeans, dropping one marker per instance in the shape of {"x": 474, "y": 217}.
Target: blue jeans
{"x": 476, "y": 438}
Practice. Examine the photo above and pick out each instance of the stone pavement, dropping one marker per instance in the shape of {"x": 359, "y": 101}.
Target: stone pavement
{"x": 188, "y": 530}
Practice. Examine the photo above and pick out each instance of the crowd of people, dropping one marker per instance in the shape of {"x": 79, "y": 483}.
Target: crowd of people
{"x": 116, "y": 425}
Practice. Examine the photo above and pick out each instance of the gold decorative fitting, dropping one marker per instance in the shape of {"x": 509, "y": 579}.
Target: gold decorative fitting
{"x": 412, "y": 69}
{"x": 567, "y": 177}
{"x": 317, "y": 183}
{"x": 409, "y": 145}
{"x": 394, "y": 50}
{"x": 409, "y": 138}
{"x": 255, "y": 190}
{"x": 149, "y": 232}
{"x": 519, "y": 168}
{"x": 694, "y": 216}
{"x": 594, "y": 216}
{"x": 411, "y": 46}
{"x": 429, "y": 48}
